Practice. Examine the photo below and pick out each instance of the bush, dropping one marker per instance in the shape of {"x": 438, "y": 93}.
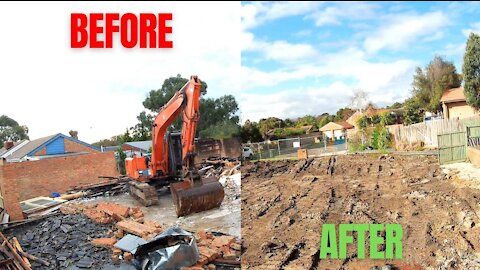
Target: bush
{"x": 380, "y": 138}
{"x": 281, "y": 133}
{"x": 120, "y": 157}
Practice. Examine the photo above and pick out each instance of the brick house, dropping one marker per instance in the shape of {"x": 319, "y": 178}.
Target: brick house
{"x": 455, "y": 105}
{"x": 57, "y": 145}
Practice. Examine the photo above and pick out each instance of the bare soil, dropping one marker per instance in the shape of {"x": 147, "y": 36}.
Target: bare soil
{"x": 285, "y": 203}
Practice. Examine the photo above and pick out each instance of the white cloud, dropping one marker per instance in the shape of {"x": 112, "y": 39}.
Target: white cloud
{"x": 385, "y": 82}
{"x": 256, "y": 13}
{"x": 99, "y": 92}
{"x": 474, "y": 28}
{"x": 403, "y": 30}
{"x": 334, "y": 15}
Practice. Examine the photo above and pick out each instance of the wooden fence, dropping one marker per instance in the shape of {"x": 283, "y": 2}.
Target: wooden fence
{"x": 427, "y": 133}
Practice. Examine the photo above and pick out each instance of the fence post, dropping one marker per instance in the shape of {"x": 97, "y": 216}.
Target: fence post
{"x": 278, "y": 144}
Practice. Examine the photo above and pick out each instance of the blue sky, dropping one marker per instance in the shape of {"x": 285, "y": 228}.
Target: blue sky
{"x": 303, "y": 58}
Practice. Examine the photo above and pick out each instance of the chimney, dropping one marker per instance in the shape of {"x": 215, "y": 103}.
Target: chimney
{"x": 8, "y": 145}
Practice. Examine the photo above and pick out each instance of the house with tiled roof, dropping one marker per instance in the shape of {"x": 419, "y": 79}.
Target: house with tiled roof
{"x": 455, "y": 105}
{"x": 336, "y": 130}
{"x": 57, "y": 145}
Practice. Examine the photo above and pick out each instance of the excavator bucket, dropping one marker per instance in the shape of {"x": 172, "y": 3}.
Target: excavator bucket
{"x": 193, "y": 198}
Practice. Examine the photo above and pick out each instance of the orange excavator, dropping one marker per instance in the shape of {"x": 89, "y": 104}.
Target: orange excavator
{"x": 173, "y": 159}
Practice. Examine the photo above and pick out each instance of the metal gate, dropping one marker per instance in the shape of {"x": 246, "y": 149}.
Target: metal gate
{"x": 452, "y": 147}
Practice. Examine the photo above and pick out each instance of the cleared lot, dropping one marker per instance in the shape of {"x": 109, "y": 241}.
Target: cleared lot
{"x": 285, "y": 203}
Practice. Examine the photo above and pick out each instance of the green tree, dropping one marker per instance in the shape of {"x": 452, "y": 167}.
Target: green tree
{"x": 219, "y": 112}
{"x": 396, "y": 105}
{"x": 142, "y": 131}
{"x": 157, "y": 98}
{"x": 222, "y": 130}
{"x": 386, "y": 119}
{"x": 267, "y": 124}
{"x": 343, "y": 114}
{"x": 324, "y": 119}
{"x": 10, "y": 130}
{"x": 412, "y": 113}
{"x": 307, "y": 120}
{"x": 250, "y": 132}
{"x": 430, "y": 83}
{"x": 288, "y": 122}
{"x": 471, "y": 71}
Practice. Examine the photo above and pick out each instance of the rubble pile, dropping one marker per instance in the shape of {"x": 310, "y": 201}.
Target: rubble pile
{"x": 63, "y": 241}
{"x": 84, "y": 236}
{"x": 215, "y": 166}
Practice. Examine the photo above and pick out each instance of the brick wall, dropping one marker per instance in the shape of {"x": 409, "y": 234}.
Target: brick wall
{"x": 41, "y": 152}
{"x": 73, "y": 147}
{"x": 26, "y": 180}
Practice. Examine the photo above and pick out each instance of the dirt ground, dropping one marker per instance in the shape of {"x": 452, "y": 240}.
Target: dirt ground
{"x": 285, "y": 203}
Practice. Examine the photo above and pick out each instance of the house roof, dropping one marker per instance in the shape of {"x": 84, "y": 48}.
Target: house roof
{"x": 35, "y": 145}
{"x": 453, "y": 95}
{"x": 354, "y": 117}
{"x": 143, "y": 145}
{"x": 336, "y": 126}
{"x": 3, "y": 150}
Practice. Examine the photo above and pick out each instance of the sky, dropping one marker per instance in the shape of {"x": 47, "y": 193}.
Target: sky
{"x": 308, "y": 58}
{"x": 51, "y": 88}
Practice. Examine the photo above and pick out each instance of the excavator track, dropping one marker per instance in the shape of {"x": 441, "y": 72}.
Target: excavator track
{"x": 193, "y": 198}
{"x": 143, "y": 192}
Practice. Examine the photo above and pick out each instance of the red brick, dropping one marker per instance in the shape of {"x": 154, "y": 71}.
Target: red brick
{"x": 229, "y": 256}
{"x": 116, "y": 251}
{"x": 97, "y": 216}
{"x": 135, "y": 228}
{"x": 25, "y": 180}
{"x": 203, "y": 260}
{"x": 137, "y": 215}
{"x": 223, "y": 240}
{"x": 113, "y": 208}
{"x": 204, "y": 235}
{"x": 209, "y": 253}
{"x": 127, "y": 256}
{"x": 211, "y": 267}
{"x": 67, "y": 210}
{"x": 104, "y": 242}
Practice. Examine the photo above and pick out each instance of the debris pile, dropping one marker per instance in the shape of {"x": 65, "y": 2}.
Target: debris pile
{"x": 217, "y": 167}
{"x": 85, "y": 236}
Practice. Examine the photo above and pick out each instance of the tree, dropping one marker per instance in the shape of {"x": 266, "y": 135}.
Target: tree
{"x": 412, "y": 113}
{"x": 120, "y": 157}
{"x": 471, "y": 71}
{"x": 307, "y": 120}
{"x": 396, "y": 105}
{"x": 10, "y": 130}
{"x": 219, "y": 112}
{"x": 222, "y": 130}
{"x": 267, "y": 124}
{"x": 324, "y": 119}
{"x": 343, "y": 114}
{"x": 250, "y": 132}
{"x": 288, "y": 122}
{"x": 430, "y": 83}
{"x": 142, "y": 131}
{"x": 157, "y": 98}
{"x": 359, "y": 101}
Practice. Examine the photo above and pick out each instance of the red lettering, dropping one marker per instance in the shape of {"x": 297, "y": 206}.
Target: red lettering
{"x": 110, "y": 28}
{"x": 124, "y": 24}
{"x": 95, "y": 30}
{"x": 148, "y": 23}
{"x": 163, "y": 30}
{"x": 78, "y": 23}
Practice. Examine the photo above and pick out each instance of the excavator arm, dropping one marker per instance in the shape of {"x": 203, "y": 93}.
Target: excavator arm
{"x": 186, "y": 100}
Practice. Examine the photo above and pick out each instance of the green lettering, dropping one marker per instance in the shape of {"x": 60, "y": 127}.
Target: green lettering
{"x": 375, "y": 241}
{"x": 393, "y": 237}
{"x": 361, "y": 229}
{"x": 328, "y": 233}
{"x": 344, "y": 239}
